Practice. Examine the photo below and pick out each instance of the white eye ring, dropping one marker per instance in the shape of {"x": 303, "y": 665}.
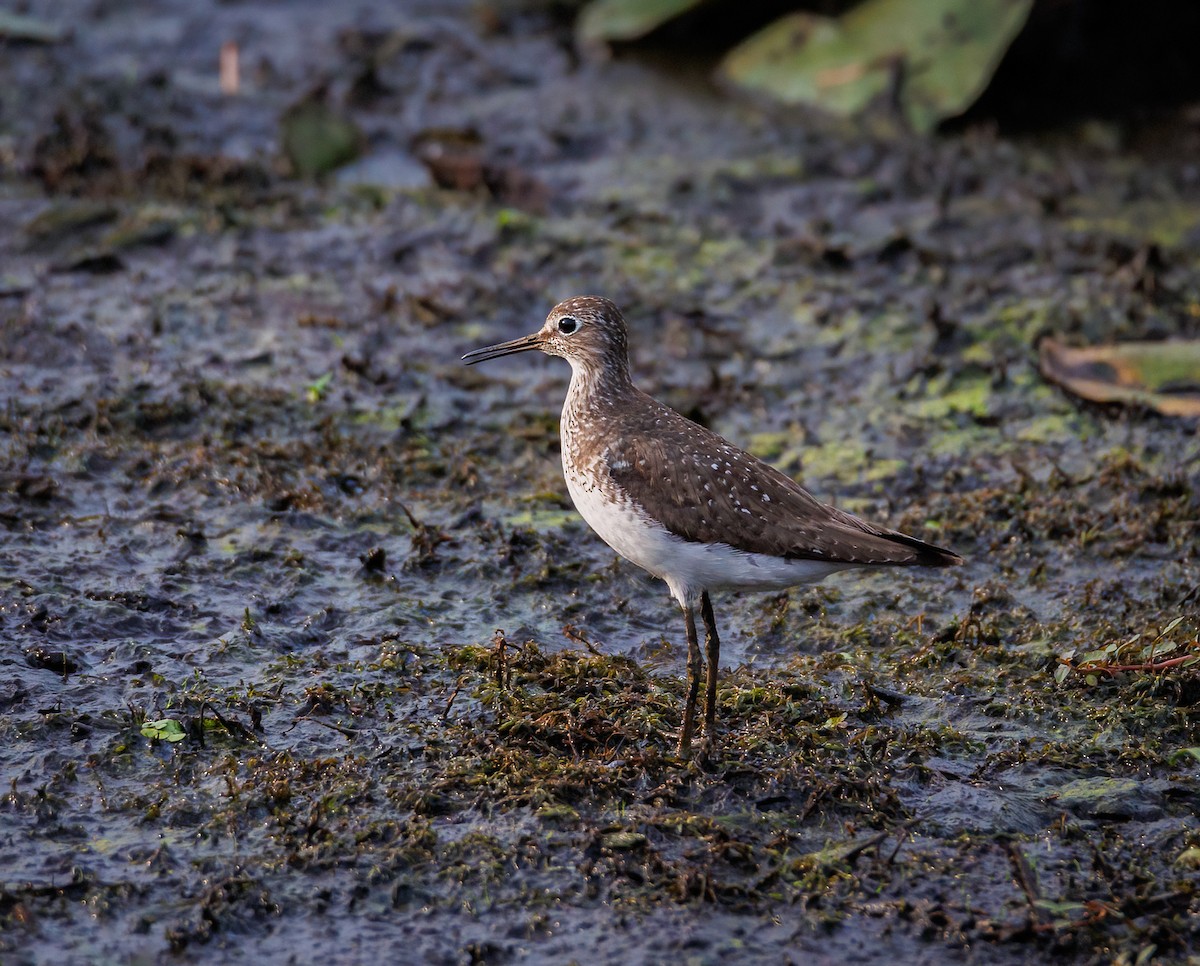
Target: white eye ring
{"x": 568, "y": 325}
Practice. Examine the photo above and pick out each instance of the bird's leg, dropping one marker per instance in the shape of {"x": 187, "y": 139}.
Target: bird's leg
{"x": 694, "y": 665}
{"x": 712, "y": 644}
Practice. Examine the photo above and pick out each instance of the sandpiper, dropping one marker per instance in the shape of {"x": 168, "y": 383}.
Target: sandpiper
{"x": 684, "y": 503}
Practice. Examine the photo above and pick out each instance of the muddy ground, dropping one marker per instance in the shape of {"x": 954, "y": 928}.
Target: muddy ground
{"x": 423, "y": 713}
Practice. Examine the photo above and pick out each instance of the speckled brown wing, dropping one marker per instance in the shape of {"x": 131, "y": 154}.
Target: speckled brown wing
{"x": 718, "y": 493}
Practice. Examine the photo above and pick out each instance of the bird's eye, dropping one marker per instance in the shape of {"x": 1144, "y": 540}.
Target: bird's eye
{"x": 567, "y": 325}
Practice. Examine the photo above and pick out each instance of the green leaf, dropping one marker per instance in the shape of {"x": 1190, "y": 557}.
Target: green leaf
{"x": 623, "y": 841}
{"x": 165, "y": 729}
{"x": 555, "y": 812}
{"x": 1061, "y": 673}
{"x": 607, "y": 20}
{"x": 15, "y": 26}
{"x": 1182, "y": 753}
{"x": 1061, "y": 908}
{"x": 316, "y": 139}
{"x": 808, "y": 59}
{"x": 316, "y": 392}
{"x": 938, "y": 54}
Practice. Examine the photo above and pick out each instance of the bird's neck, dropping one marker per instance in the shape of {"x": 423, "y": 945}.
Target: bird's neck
{"x": 596, "y": 393}
{"x": 598, "y": 386}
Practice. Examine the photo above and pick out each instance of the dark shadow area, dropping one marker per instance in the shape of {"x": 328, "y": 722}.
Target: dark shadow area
{"x": 1094, "y": 58}
{"x": 1074, "y": 59}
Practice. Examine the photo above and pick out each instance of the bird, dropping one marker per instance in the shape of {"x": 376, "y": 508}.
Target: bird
{"x": 684, "y": 503}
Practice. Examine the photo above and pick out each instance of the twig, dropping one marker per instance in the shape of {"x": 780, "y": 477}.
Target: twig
{"x": 572, "y": 633}
{"x": 458, "y": 685}
{"x": 901, "y": 837}
{"x": 858, "y": 848}
{"x": 814, "y": 797}
{"x": 887, "y": 695}
{"x": 1113, "y": 669}
{"x": 232, "y": 726}
{"x": 503, "y": 674}
{"x": 1027, "y": 880}
{"x": 413, "y": 521}
{"x": 348, "y": 733}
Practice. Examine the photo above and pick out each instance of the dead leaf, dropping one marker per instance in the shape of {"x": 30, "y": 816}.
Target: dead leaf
{"x": 1164, "y": 376}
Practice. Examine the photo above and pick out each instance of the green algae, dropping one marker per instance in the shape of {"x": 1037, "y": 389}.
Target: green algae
{"x": 1168, "y": 223}
{"x": 968, "y": 394}
{"x": 845, "y": 460}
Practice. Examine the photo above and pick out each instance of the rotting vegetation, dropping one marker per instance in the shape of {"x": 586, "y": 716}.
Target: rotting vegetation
{"x": 247, "y": 488}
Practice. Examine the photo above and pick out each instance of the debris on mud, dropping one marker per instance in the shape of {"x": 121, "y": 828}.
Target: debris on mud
{"x": 259, "y": 528}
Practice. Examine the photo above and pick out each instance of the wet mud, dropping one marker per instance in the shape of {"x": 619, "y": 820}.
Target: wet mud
{"x": 305, "y": 654}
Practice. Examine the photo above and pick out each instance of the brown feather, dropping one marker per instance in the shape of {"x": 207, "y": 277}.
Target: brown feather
{"x": 718, "y": 493}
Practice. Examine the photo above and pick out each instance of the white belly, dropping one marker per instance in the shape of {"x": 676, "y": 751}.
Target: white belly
{"x": 688, "y": 568}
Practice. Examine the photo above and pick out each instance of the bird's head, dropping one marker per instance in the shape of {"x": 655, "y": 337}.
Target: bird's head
{"x": 588, "y": 331}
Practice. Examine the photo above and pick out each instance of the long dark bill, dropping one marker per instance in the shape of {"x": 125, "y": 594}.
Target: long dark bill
{"x": 523, "y": 344}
